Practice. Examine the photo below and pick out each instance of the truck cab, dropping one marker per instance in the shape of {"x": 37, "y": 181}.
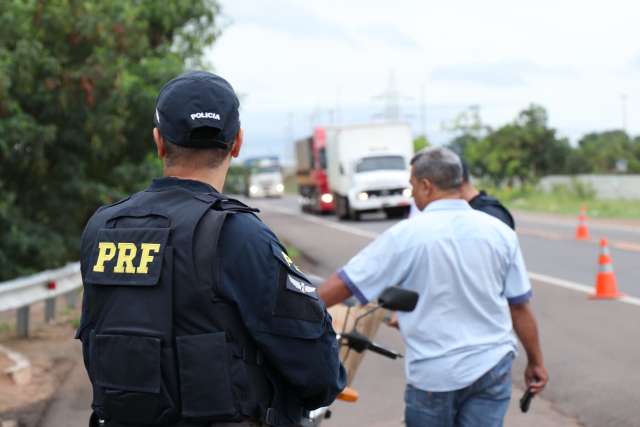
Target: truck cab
{"x": 264, "y": 177}
{"x": 369, "y": 169}
{"x": 314, "y": 194}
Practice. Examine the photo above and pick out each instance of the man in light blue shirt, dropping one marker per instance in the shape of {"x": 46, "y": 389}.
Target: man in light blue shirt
{"x": 474, "y": 290}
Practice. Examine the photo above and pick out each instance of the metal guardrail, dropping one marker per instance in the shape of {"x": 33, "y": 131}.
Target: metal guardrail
{"x": 19, "y": 294}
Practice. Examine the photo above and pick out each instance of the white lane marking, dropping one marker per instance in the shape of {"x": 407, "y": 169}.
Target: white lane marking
{"x": 550, "y": 280}
{"x": 320, "y": 221}
{"x": 567, "y": 284}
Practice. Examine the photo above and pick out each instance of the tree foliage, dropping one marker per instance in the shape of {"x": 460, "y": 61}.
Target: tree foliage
{"x": 604, "y": 151}
{"x": 78, "y": 80}
{"x": 528, "y": 148}
{"x": 420, "y": 143}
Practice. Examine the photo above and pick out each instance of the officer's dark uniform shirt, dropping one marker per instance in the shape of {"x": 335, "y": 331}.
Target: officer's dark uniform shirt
{"x": 281, "y": 312}
{"x": 492, "y": 206}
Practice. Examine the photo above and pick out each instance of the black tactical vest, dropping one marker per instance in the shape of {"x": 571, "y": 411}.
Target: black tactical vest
{"x": 159, "y": 346}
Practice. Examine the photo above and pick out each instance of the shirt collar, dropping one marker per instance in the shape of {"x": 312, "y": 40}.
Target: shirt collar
{"x": 159, "y": 184}
{"x": 447, "y": 205}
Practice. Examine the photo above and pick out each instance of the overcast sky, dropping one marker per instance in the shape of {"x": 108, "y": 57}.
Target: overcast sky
{"x": 302, "y": 63}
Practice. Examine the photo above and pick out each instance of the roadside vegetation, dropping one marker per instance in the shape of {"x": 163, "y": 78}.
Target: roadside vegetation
{"x": 78, "y": 81}
{"x": 511, "y": 159}
{"x": 526, "y": 149}
{"x": 566, "y": 200}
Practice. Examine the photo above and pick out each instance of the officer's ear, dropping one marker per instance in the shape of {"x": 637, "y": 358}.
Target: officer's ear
{"x": 237, "y": 143}
{"x": 160, "y": 144}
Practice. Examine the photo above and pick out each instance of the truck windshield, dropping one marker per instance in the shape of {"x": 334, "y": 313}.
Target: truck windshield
{"x": 369, "y": 164}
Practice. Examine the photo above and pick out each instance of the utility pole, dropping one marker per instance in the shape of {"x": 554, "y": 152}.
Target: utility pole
{"x": 288, "y": 134}
{"x": 313, "y": 117}
{"x": 423, "y": 110}
{"x": 623, "y": 102}
{"x": 391, "y": 100}
{"x": 338, "y": 105}
{"x": 332, "y": 116}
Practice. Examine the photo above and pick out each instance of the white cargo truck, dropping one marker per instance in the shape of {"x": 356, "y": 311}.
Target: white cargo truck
{"x": 263, "y": 177}
{"x": 368, "y": 169}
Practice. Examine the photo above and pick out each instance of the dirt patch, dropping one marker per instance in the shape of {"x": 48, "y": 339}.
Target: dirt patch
{"x": 5, "y": 363}
{"x": 52, "y": 353}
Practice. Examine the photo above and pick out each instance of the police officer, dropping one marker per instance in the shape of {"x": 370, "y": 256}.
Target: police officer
{"x": 193, "y": 313}
{"x": 481, "y": 201}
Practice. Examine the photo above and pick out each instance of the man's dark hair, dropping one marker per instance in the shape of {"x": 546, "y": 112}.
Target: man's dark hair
{"x": 197, "y": 157}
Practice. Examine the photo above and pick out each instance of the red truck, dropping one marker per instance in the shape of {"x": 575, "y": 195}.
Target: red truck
{"x": 313, "y": 184}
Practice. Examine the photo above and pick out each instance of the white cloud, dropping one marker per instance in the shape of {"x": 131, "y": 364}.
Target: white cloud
{"x": 573, "y": 57}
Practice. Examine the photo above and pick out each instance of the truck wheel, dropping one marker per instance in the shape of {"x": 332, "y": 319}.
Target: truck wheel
{"x": 354, "y": 214}
{"x": 395, "y": 213}
{"x": 313, "y": 203}
{"x": 342, "y": 207}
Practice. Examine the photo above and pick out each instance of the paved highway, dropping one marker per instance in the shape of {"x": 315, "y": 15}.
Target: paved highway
{"x": 547, "y": 241}
{"x": 590, "y": 346}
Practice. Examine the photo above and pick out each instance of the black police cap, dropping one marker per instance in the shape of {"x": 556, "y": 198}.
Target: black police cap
{"x": 198, "y": 100}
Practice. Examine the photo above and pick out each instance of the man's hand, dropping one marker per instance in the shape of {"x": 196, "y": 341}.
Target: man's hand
{"x": 392, "y": 320}
{"x": 536, "y": 377}
{"x": 524, "y": 324}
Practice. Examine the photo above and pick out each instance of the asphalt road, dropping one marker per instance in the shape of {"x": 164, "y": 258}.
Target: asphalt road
{"x": 590, "y": 347}
{"x": 547, "y": 242}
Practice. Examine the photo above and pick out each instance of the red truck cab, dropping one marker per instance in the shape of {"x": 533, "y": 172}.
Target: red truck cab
{"x": 313, "y": 183}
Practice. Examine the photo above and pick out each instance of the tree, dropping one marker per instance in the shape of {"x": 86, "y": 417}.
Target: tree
{"x": 603, "y": 151}
{"x": 78, "y": 80}
{"x": 420, "y": 143}
{"x": 522, "y": 150}
{"x": 469, "y": 131}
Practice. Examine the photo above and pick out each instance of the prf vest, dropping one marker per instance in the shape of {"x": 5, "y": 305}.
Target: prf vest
{"x": 159, "y": 345}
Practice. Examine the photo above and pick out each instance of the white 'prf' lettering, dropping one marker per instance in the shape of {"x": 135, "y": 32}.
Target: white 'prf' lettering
{"x": 214, "y": 116}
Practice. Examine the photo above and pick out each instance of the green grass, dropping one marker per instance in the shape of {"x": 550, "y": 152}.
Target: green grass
{"x": 5, "y": 328}
{"x": 567, "y": 201}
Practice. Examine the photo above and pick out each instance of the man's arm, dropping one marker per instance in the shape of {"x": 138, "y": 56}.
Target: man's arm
{"x": 376, "y": 267}
{"x": 284, "y": 315}
{"x": 524, "y": 324}
{"x": 334, "y": 290}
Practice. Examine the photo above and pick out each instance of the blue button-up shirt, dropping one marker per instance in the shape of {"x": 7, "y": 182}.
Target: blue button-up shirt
{"x": 467, "y": 267}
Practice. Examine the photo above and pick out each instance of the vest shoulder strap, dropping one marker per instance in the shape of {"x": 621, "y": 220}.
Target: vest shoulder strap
{"x": 221, "y": 202}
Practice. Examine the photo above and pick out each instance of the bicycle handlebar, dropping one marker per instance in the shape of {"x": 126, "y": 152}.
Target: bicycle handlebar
{"x": 359, "y": 343}
{"x": 383, "y": 351}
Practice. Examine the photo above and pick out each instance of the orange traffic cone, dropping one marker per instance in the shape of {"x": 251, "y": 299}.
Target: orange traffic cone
{"x": 582, "y": 233}
{"x": 606, "y": 286}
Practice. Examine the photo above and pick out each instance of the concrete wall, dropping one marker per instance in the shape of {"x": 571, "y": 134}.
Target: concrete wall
{"x": 605, "y": 186}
